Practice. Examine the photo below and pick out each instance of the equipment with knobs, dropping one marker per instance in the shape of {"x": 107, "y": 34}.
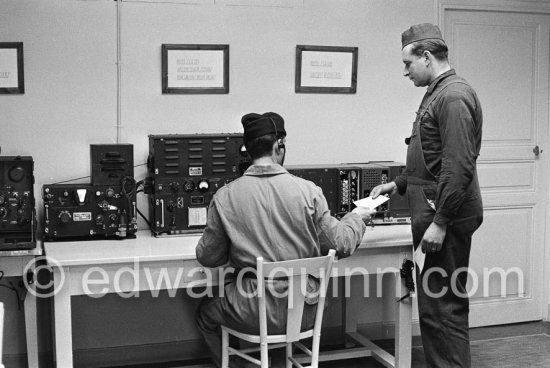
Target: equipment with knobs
{"x": 86, "y": 211}
{"x": 187, "y": 170}
{"x": 17, "y": 211}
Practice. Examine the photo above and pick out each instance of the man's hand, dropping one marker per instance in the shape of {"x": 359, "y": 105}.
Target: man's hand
{"x": 433, "y": 238}
{"x": 383, "y": 189}
{"x": 365, "y": 212}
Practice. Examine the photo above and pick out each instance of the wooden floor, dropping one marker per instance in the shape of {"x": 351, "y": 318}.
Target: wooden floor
{"x": 511, "y": 346}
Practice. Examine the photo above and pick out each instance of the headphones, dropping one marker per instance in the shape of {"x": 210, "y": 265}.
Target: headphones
{"x": 280, "y": 143}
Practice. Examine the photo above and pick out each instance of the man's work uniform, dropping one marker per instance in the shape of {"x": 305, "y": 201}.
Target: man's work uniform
{"x": 442, "y": 187}
{"x": 269, "y": 213}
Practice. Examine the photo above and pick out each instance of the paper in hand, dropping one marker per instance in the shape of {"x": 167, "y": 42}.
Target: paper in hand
{"x": 419, "y": 258}
{"x": 368, "y": 202}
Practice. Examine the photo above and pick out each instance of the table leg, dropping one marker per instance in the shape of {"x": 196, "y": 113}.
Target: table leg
{"x": 63, "y": 337}
{"x": 403, "y": 327}
{"x": 31, "y": 330}
{"x": 349, "y": 317}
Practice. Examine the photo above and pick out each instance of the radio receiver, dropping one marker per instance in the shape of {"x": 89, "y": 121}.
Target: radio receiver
{"x": 187, "y": 169}
{"x": 339, "y": 183}
{"x": 17, "y": 212}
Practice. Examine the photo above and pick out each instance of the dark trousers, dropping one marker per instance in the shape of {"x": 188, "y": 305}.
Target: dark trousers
{"x": 443, "y": 302}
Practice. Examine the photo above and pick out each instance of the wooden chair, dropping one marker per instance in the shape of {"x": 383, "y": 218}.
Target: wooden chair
{"x": 1, "y": 331}
{"x": 297, "y": 272}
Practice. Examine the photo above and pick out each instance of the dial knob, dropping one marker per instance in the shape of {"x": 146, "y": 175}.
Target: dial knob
{"x": 188, "y": 186}
{"x": 203, "y": 185}
{"x": 174, "y": 186}
{"x": 170, "y": 206}
{"x": 99, "y": 219}
{"x": 16, "y": 174}
{"x": 65, "y": 217}
{"x": 2, "y": 199}
{"x": 3, "y": 212}
{"x": 109, "y": 193}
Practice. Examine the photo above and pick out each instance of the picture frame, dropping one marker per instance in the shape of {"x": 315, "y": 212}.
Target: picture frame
{"x": 12, "y": 79}
{"x": 195, "y": 69}
{"x": 326, "y": 69}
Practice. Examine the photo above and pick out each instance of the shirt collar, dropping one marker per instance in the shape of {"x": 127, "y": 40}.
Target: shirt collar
{"x": 436, "y": 81}
{"x": 269, "y": 169}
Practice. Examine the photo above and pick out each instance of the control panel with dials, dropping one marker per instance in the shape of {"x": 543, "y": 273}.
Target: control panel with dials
{"x": 187, "y": 169}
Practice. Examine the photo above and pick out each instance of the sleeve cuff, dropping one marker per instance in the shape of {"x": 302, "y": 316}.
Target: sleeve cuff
{"x": 401, "y": 183}
{"x": 441, "y": 218}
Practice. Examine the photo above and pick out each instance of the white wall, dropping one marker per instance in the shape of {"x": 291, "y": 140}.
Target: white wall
{"x": 70, "y": 54}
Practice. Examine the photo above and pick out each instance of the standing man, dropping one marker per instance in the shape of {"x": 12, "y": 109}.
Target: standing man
{"x": 269, "y": 213}
{"x": 443, "y": 191}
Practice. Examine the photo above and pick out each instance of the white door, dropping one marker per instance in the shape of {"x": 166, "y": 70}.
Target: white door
{"x": 504, "y": 54}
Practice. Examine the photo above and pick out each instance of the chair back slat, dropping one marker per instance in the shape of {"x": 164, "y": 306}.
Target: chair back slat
{"x": 297, "y": 272}
{"x": 296, "y": 298}
{"x": 311, "y": 266}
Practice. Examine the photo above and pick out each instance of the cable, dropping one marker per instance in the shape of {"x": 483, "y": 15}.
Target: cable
{"x": 124, "y": 182}
{"x": 141, "y": 184}
{"x": 69, "y": 180}
{"x": 144, "y": 218}
{"x": 12, "y": 288}
{"x": 84, "y": 177}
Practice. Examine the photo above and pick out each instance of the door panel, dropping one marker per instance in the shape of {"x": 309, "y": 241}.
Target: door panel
{"x": 504, "y": 56}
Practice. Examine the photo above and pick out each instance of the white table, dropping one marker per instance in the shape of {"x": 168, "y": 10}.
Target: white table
{"x": 13, "y": 264}
{"x": 102, "y": 262}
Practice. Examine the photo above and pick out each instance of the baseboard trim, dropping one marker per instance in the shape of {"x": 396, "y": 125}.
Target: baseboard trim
{"x": 174, "y": 351}
{"x": 20, "y": 360}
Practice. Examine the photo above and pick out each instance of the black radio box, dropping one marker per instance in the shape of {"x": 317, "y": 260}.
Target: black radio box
{"x": 340, "y": 184}
{"x": 373, "y": 173}
{"x": 17, "y": 212}
{"x": 110, "y": 163}
{"x": 187, "y": 169}
{"x": 86, "y": 211}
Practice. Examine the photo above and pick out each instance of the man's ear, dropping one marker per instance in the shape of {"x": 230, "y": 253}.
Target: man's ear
{"x": 276, "y": 147}
{"x": 427, "y": 55}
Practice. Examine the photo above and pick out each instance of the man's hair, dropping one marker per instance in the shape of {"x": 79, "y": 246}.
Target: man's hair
{"x": 436, "y": 47}
{"x": 261, "y": 146}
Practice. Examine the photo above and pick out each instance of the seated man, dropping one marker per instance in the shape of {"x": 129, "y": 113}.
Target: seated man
{"x": 270, "y": 213}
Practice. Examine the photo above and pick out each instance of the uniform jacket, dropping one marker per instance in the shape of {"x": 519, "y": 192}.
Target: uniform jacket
{"x": 450, "y": 131}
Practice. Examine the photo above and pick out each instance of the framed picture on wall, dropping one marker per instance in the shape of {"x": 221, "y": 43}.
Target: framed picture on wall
{"x": 326, "y": 69}
{"x": 11, "y": 68}
{"x": 195, "y": 69}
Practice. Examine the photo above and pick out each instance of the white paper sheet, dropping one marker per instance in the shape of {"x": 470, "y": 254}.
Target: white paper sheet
{"x": 419, "y": 258}
{"x": 371, "y": 203}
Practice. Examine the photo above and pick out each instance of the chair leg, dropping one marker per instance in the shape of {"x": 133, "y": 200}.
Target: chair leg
{"x": 315, "y": 351}
{"x": 264, "y": 355}
{"x": 225, "y": 352}
{"x": 289, "y": 351}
